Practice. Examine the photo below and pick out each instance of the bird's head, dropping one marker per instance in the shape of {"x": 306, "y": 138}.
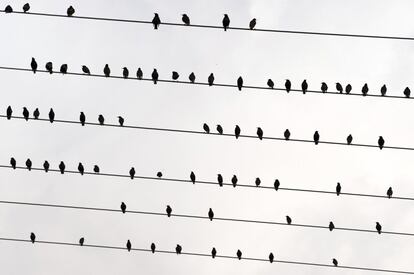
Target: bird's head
{"x": 156, "y": 14}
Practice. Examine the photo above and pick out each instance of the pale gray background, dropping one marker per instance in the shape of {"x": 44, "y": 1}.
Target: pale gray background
{"x": 256, "y": 56}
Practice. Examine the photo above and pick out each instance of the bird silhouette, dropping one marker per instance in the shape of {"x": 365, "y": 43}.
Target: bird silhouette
{"x": 32, "y": 237}
{"x": 156, "y": 21}
{"x": 36, "y": 113}
{"x": 139, "y": 73}
{"x": 125, "y": 72}
{"x": 378, "y": 227}
{"x": 101, "y": 119}
{"x": 64, "y": 68}
{"x": 132, "y": 173}
{"x": 219, "y": 129}
{"x": 257, "y": 182}
{"x": 407, "y": 92}
{"x": 9, "y": 112}
{"x": 26, "y": 7}
{"x": 81, "y": 241}
{"x": 178, "y": 249}
{"x": 271, "y": 257}
{"x": 96, "y": 169}
{"x": 29, "y": 164}
{"x": 276, "y": 184}
{"x": 185, "y": 19}
{"x": 331, "y": 226}
{"x": 252, "y": 23}
{"x": 210, "y": 214}
{"x": 383, "y": 90}
{"x": 62, "y": 167}
{"x": 123, "y": 207}
{"x": 288, "y": 220}
{"x": 13, "y": 163}
{"x": 338, "y": 189}
{"x": 226, "y": 22}
{"x": 348, "y": 89}
{"x": 128, "y": 245}
{"x": 86, "y": 70}
{"x": 82, "y": 118}
{"x": 169, "y": 211}
{"x": 259, "y": 133}
{"x": 192, "y": 77}
{"x": 389, "y": 193}
{"x": 159, "y": 174}
{"x": 365, "y": 89}
{"x": 335, "y": 262}
{"x": 175, "y": 75}
{"x": 288, "y": 85}
{"x": 304, "y": 86}
{"x": 206, "y": 128}
{"x": 33, "y": 64}
{"x": 220, "y": 179}
{"x": 237, "y": 131}
{"x": 287, "y": 134}
{"x": 239, "y": 83}
{"x": 213, "y": 252}
{"x": 210, "y": 79}
{"x": 121, "y": 121}
{"x": 153, "y": 248}
{"x": 316, "y": 137}
{"x": 25, "y": 113}
{"x": 51, "y": 115}
{"x": 381, "y": 142}
{"x": 49, "y": 67}
{"x": 192, "y": 177}
{"x": 234, "y": 180}
{"x": 324, "y": 87}
{"x": 349, "y": 139}
{"x": 81, "y": 169}
{"x": 107, "y": 71}
{"x": 46, "y": 166}
{"x": 239, "y": 254}
{"x": 339, "y": 87}
{"x": 270, "y": 83}
{"x": 8, "y": 9}
{"x": 70, "y": 11}
{"x": 154, "y": 76}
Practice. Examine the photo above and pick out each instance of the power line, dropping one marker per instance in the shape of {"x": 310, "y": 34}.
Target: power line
{"x": 187, "y": 216}
{"x": 213, "y": 183}
{"x": 263, "y": 88}
{"x": 218, "y": 27}
{"x": 141, "y": 249}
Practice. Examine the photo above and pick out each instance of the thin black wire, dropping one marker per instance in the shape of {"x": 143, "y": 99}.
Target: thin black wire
{"x": 206, "y": 84}
{"x": 209, "y": 255}
{"x": 213, "y": 183}
{"x": 217, "y": 27}
{"x": 187, "y": 216}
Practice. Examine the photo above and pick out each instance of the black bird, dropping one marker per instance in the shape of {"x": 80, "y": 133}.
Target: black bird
{"x": 335, "y": 262}
{"x": 288, "y": 85}
{"x": 338, "y": 189}
{"x": 237, "y": 131}
{"x": 8, "y": 9}
{"x": 29, "y": 164}
{"x": 153, "y": 247}
{"x": 192, "y": 77}
{"x": 239, "y": 83}
{"x": 33, "y": 64}
{"x": 26, "y": 7}
{"x": 287, "y": 134}
{"x": 276, "y": 184}
{"x": 389, "y": 193}
{"x": 128, "y": 245}
{"x": 381, "y": 142}
{"x": 169, "y": 211}
{"x": 271, "y": 257}
{"x": 46, "y": 166}
{"x": 32, "y": 237}
{"x": 96, "y": 169}
{"x": 383, "y": 90}
{"x": 331, "y": 226}
{"x": 365, "y": 89}
{"x": 339, "y": 87}
{"x": 175, "y": 75}
{"x": 9, "y": 112}
{"x": 239, "y": 254}
{"x": 206, "y": 128}
{"x": 316, "y": 137}
{"x": 220, "y": 179}
{"x": 324, "y": 87}
{"x": 186, "y": 19}
{"x": 226, "y": 22}
{"x": 13, "y": 163}
{"x": 64, "y": 68}
{"x": 70, "y": 11}
{"x": 36, "y": 113}
{"x": 106, "y": 70}
{"x": 348, "y": 88}
{"x": 178, "y": 249}
{"x": 156, "y": 21}
{"x": 81, "y": 169}
{"x": 349, "y": 139}
{"x": 192, "y": 177}
{"x": 25, "y": 113}
{"x": 86, "y": 70}
{"x": 81, "y": 241}
{"x": 259, "y": 133}
{"x": 234, "y": 180}
{"x": 132, "y": 173}
{"x": 304, "y": 86}
{"x": 62, "y": 167}
{"x": 211, "y": 79}
{"x": 378, "y": 227}
{"x": 213, "y": 252}
{"x": 139, "y": 73}
{"x": 125, "y": 72}
{"x": 219, "y": 129}
{"x": 210, "y": 214}
{"x": 123, "y": 207}
{"x": 154, "y": 76}
{"x": 270, "y": 83}
{"x": 252, "y": 23}
{"x": 49, "y": 67}
{"x": 101, "y": 119}
{"x": 257, "y": 182}
{"x": 121, "y": 121}
{"x": 82, "y": 118}
{"x": 159, "y": 174}
{"x": 51, "y": 115}
{"x": 407, "y": 92}
{"x": 288, "y": 220}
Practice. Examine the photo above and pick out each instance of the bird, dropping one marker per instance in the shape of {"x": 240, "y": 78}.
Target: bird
{"x": 64, "y": 68}
{"x": 156, "y": 21}
{"x": 154, "y": 76}
{"x": 192, "y": 77}
{"x": 86, "y": 70}
{"x": 271, "y": 257}
{"x": 210, "y": 214}
{"x": 81, "y": 169}
{"x": 153, "y": 247}
{"x": 178, "y": 249}
{"x": 287, "y": 134}
{"x": 125, "y": 72}
{"x": 407, "y": 92}
{"x": 26, "y": 7}
{"x": 389, "y": 193}
{"x": 270, "y": 83}
{"x": 81, "y": 241}
{"x": 219, "y": 129}
{"x": 316, "y": 137}
{"x": 239, "y": 254}
{"x": 62, "y": 167}
{"x": 304, "y": 86}
{"x": 335, "y": 262}
{"x": 13, "y": 163}
{"x": 106, "y": 70}
{"x": 288, "y": 85}
{"x": 339, "y": 87}
{"x": 8, "y": 9}
{"x": 46, "y": 166}
{"x": 159, "y": 174}
{"x": 70, "y": 11}
{"x": 128, "y": 245}
{"x": 139, "y": 73}
{"x": 96, "y": 169}
{"x": 9, "y": 112}
{"x": 338, "y": 189}
{"x": 33, "y": 64}
{"x": 25, "y": 113}
{"x": 234, "y": 180}
{"x": 239, "y": 83}
{"x": 348, "y": 89}
{"x": 288, "y": 220}
{"x": 185, "y": 19}
{"x": 220, "y": 179}
{"x": 259, "y": 133}
{"x": 237, "y": 131}
{"x": 378, "y": 227}
{"x": 36, "y": 113}
{"x": 213, "y": 252}
{"x": 32, "y": 237}
{"x": 51, "y": 115}
{"x": 169, "y": 211}
{"x": 132, "y": 173}
{"x": 324, "y": 87}
{"x": 226, "y": 22}
{"x": 252, "y": 23}
{"x": 49, "y": 67}
{"x": 29, "y": 164}
{"x": 365, "y": 89}
{"x": 381, "y": 142}
{"x": 331, "y": 226}
{"x": 257, "y": 182}
{"x": 121, "y": 121}
{"x": 206, "y": 128}
{"x": 349, "y": 139}
{"x": 383, "y": 90}
{"x": 123, "y": 207}
{"x": 210, "y": 79}
{"x": 101, "y": 119}
{"x": 192, "y": 177}
{"x": 276, "y": 184}
{"x": 175, "y": 75}
{"x": 82, "y": 118}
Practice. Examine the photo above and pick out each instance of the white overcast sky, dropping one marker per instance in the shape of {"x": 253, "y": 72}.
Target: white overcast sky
{"x": 256, "y": 56}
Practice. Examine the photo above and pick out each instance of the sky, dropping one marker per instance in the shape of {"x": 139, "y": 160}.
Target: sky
{"x": 256, "y": 56}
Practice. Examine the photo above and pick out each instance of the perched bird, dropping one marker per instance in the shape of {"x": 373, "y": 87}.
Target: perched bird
{"x": 206, "y": 128}
{"x": 26, "y": 7}
{"x": 106, "y": 70}
{"x": 324, "y": 87}
{"x": 383, "y": 90}
{"x": 257, "y": 182}
{"x": 213, "y": 252}
{"x": 192, "y": 77}
{"x": 32, "y": 237}
{"x": 159, "y": 174}
{"x": 335, "y": 262}
{"x": 338, "y": 189}
{"x": 185, "y": 19}
{"x": 178, "y": 249}
{"x": 339, "y": 87}
{"x": 156, "y": 21}
{"x": 287, "y": 134}
{"x": 169, "y": 211}
{"x": 82, "y": 118}
{"x": 381, "y": 142}
{"x": 96, "y": 169}
{"x": 154, "y": 76}
{"x": 121, "y": 121}
{"x": 192, "y": 177}
{"x": 8, "y": 9}
{"x": 234, "y": 180}
{"x": 270, "y": 83}
{"x": 81, "y": 241}
{"x": 132, "y": 173}
{"x": 70, "y": 11}
{"x": 239, "y": 254}
{"x": 51, "y": 115}
{"x": 13, "y": 163}
{"x": 378, "y": 227}
{"x": 81, "y": 169}
{"x": 220, "y": 179}
{"x": 29, "y": 164}
{"x": 49, "y": 67}
{"x": 288, "y": 85}
{"x": 407, "y": 92}
{"x": 349, "y": 139}
{"x": 33, "y": 64}
{"x": 36, "y": 113}
{"x": 219, "y": 129}
{"x": 153, "y": 247}
{"x": 125, "y": 72}
{"x": 276, "y": 184}
{"x": 226, "y": 22}
{"x": 62, "y": 167}
{"x": 331, "y": 226}
{"x": 348, "y": 89}
{"x": 123, "y": 207}
{"x": 210, "y": 214}
{"x": 252, "y": 23}
{"x": 25, "y": 113}
{"x": 259, "y": 133}
{"x": 316, "y": 137}
{"x": 288, "y": 220}
{"x": 101, "y": 119}
{"x": 64, "y": 68}
{"x": 210, "y": 79}
{"x": 237, "y": 131}
{"x": 304, "y": 86}
{"x": 239, "y": 83}
{"x": 175, "y": 75}
{"x": 139, "y": 73}
{"x": 128, "y": 245}
{"x": 389, "y": 193}
{"x": 365, "y": 89}
{"x": 46, "y": 166}
{"x": 271, "y": 257}
{"x": 86, "y": 70}
{"x": 9, "y": 112}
